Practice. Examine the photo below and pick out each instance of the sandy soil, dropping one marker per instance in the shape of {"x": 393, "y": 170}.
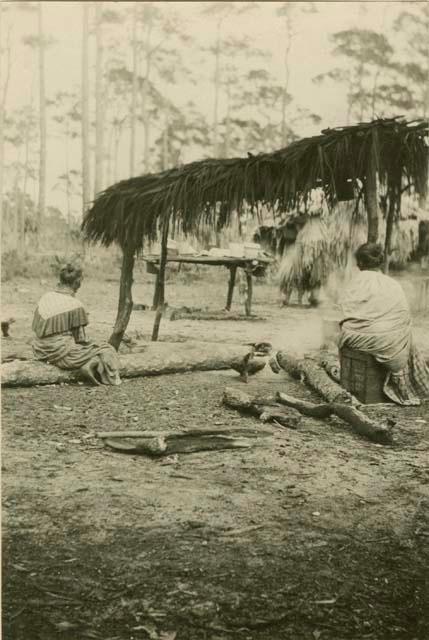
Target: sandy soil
{"x": 310, "y": 534}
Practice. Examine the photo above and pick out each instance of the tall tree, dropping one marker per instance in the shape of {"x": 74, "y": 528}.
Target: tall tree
{"x": 287, "y": 12}
{"x": 133, "y": 109}
{"x": 412, "y": 27}
{"x": 99, "y": 100}
{"x": 220, "y": 11}
{"x": 41, "y": 205}
{"x": 5, "y": 64}
{"x": 85, "y": 122}
{"x": 366, "y": 54}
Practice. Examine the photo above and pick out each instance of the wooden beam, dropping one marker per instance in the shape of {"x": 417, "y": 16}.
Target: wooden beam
{"x": 125, "y": 303}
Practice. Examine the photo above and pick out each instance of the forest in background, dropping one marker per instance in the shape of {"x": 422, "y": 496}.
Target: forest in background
{"x": 136, "y": 106}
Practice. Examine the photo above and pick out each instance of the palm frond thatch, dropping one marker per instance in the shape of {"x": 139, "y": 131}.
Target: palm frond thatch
{"x": 209, "y": 191}
{"x": 307, "y": 263}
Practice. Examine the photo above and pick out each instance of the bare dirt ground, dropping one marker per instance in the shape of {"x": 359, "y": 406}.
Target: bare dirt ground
{"x": 313, "y": 534}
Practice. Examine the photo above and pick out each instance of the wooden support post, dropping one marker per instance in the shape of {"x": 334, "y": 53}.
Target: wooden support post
{"x": 231, "y": 284}
{"x": 125, "y": 304}
{"x": 389, "y": 229}
{"x": 161, "y": 279}
{"x": 371, "y": 201}
{"x": 249, "y": 293}
{"x": 156, "y": 293}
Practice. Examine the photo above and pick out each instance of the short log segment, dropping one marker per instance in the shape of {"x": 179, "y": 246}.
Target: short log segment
{"x": 266, "y": 409}
{"x": 314, "y": 376}
{"x": 359, "y": 422}
{"x": 157, "y": 444}
{"x": 154, "y": 359}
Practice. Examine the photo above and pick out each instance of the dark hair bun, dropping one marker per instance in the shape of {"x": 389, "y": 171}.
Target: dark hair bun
{"x": 70, "y": 273}
{"x": 370, "y": 255}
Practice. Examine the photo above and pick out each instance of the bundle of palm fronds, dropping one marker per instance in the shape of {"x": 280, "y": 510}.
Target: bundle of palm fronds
{"x": 404, "y": 243}
{"x": 305, "y": 266}
{"x": 347, "y": 230}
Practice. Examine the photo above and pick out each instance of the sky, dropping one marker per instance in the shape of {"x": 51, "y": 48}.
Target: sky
{"x": 310, "y": 55}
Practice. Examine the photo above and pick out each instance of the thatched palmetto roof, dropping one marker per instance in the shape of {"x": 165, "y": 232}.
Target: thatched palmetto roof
{"x": 211, "y": 190}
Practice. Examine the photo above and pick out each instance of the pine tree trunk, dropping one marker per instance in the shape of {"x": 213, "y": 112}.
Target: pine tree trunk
{"x": 42, "y": 126}
{"x": 5, "y": 83}
{"x": 99, "y": 106}
{"x": 86, "y": 177}
{"x": 145, "y": 99}
{"x": 286, "y": 84}
{"x": 228, "y": 120}
{"x": 216, "y": 96}
{"x": 133, "y": 114}
{"x": 1, "y": 120}
{"x": 165, "y": 154}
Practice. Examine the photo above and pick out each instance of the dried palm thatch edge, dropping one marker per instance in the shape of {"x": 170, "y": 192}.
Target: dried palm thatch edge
{"x": 131, "y": 210}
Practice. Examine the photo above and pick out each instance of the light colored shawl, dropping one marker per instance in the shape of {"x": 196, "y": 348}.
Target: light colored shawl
{"x": 58, "y": 312}
{"x": 376, "y": 319}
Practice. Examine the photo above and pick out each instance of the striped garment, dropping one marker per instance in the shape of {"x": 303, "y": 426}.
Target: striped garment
{"x": 59, "y": 324}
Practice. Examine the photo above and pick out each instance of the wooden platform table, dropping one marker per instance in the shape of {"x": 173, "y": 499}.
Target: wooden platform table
{"x": 250, "y": 266}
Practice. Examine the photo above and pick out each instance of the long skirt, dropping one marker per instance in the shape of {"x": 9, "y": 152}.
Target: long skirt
{"x": 63, "y": 352}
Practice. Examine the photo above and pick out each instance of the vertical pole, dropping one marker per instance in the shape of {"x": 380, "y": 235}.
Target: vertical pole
{"x": 249, "y": 293}
{"x": 161, "y": 279}
{"x": 155, "y": 301}
{"x": 371, "y": 195}
{"x": 125, "y": 304}
{"x": 389, "y": 229}
{"x": 231, "y": 284}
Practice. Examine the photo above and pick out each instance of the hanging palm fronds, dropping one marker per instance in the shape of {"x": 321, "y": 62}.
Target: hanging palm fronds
{"x": 405, "y": 239}
{"x": 347, "y": 230}
{"x": 305, "y": 266}
{"x": 209, "y": 191}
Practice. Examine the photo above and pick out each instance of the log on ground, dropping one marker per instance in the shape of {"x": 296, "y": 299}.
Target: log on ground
{"x": 188, "y": 441}
{"x": 266, "y": 409}
{"x": 154, "y": 359}
{"x": 315, "y": 377}
{"x": 359, "y": 422}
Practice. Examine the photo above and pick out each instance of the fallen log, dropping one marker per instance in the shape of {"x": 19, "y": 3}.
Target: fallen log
{"x": 153, "y": 359}
{"x": 239, "y": 432}
{"x": 161, "y": 444}
{"x": 316, "y": 377}
{"x": 360, "y": 423}
{"x": 267, "y": 410}
{"x": 178, "y": 314}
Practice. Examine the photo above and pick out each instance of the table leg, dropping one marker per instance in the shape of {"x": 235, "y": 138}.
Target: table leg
{"x": 248, "y": 303}
{"x": 231, "y": 284}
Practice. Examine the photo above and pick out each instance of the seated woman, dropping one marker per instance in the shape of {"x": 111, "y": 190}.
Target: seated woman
{"x": 377, "y": 321}
{"x": 59, "y": 324}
